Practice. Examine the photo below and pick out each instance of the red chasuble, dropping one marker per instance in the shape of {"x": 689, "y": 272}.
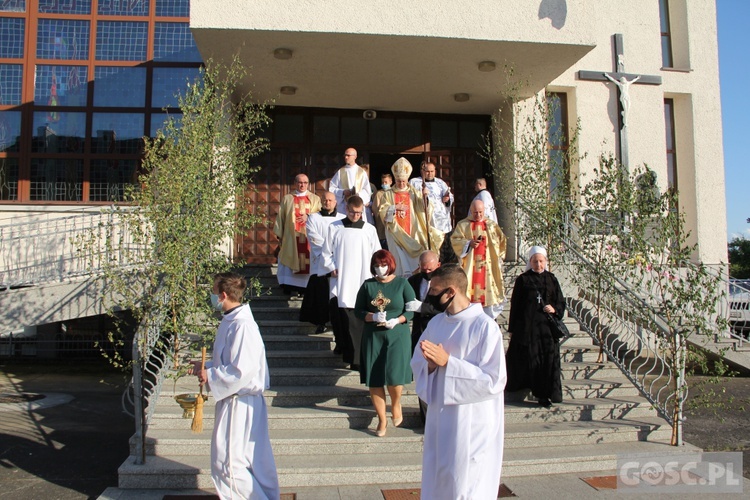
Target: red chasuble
{"x": 302, "y": 207}
{"x": 404, "y": 198}
{"x": 479, "y": 274}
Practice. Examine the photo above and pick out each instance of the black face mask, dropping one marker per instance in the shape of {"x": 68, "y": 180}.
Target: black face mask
{"x": 427, "y": 276}
{"x": 434, "y": 300}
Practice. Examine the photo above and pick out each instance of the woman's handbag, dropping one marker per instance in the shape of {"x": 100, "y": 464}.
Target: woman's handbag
{"x": 557, "y": 327}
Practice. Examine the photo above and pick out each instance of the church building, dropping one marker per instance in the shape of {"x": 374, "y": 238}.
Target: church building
{"x": 81, "y": 81}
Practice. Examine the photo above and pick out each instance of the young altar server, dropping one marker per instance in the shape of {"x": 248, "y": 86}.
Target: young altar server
{"x": 346, "y": 255}
{"x": 459, "y": 370}
{"x": 242, "y": 463}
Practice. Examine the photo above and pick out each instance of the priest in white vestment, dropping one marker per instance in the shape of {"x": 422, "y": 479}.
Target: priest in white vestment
{"x": 459, "y": 371}
{"x": 406, "y": 218}
{"x": 289, "y": 228}
{"x": 350, "y": 180}
{"x": 242, "y": 462}
{"x": 315, "y": 306}
{"x": 441, "y": 198}
{"x": 346, "y": 255}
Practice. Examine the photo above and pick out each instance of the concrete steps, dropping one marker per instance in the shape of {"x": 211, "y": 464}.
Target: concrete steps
{"x": 321, "y": 420}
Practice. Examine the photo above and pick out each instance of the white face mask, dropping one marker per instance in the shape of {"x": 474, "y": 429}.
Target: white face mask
{"x": 381, "y": 271}
{"x": 215, "y": 302}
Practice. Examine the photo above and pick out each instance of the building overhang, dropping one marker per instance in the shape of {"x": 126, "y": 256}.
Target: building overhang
{"x": 403, "y": 55}
{"x": 389, "y": 72}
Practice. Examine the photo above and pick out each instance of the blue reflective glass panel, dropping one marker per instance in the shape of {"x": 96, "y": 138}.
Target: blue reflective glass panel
{"x": 168, "y": 82}
{"x": 10, "y": 131}
{"x": 56, "y": 179}
{"x": 60, "y": 85}
{"x": 123, "y": 7}
{"x": 65, "y": 6}
{"x": 108, "y": 179}
{"x": 13, "y": 6}
{"x": 58, "y": 132}
{"x": 121, "y": 41}
{"x": 8, "y": 179}
{"x": 117, "y": 86}
{"x": 11, "y": 80}
{"x": 117, "y": 133}
{"x": 62, "y": 39}
{"x": 11, "y": 37}
{"x": 173, "y": 8}
{"x": 174, "y": 42}
{"x": 158, "y": 120}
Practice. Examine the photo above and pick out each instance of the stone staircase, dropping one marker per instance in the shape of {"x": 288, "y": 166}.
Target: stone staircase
{"x": 321, "y": 420}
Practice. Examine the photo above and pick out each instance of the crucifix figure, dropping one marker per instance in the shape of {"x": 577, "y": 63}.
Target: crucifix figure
{"x": 623, "y": 81}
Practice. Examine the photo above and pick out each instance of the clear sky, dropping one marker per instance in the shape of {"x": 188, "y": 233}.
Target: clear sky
{"x": 734, "y": 68}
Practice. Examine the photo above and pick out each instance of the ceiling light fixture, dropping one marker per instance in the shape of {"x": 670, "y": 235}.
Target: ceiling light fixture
{"x": 282, "y": 53}
{"x": 486, "y": 66}
{"x": 288, "y": 90}
{"x": 461, "y": 97}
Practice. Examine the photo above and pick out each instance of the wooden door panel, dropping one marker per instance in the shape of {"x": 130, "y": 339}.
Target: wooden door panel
{"x": 271, "y": 184}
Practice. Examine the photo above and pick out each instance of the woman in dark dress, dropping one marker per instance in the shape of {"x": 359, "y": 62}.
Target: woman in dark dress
{"x": 533, "y": 357}
{"x": 385, "y": 353}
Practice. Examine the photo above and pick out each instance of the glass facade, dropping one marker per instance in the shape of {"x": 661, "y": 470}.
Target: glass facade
{"x": 73, "y": 113}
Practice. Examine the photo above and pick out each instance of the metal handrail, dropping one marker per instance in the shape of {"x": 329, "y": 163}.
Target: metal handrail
{"x": 48, "y": 247}
{"x": 631, "y": 329}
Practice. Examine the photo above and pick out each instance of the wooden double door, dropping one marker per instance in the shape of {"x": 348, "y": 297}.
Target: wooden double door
{"x": 458, "y": 167}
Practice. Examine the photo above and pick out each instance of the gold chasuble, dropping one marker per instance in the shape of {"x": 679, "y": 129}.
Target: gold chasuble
{"x": 295, "y": 249}
{"x": 409, "y": 230}
{"x": 483, "y": 264}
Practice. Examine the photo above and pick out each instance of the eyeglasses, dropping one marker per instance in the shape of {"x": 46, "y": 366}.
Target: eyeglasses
{"x": 353, "y": 212}
{"x": 303, "y": 182}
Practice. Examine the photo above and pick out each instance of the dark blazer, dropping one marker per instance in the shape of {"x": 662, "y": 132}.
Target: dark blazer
{"x": 423, "y": 316}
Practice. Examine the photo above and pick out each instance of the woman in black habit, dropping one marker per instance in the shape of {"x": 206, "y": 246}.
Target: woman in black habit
{"x": 533, "y": 357}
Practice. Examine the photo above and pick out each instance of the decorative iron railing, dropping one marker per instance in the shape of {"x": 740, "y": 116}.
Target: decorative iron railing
{"x": 629, "y": 331}
{"x": 43, "y": 248}
{"x": 152, "y": 353}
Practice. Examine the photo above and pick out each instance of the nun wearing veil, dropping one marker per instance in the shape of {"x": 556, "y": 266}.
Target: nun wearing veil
{"x": 533, "y": 357}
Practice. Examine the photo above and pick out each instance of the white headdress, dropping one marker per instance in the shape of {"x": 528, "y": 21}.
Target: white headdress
{"x": 401, "y": 169}
{"x": 533, "y": 251}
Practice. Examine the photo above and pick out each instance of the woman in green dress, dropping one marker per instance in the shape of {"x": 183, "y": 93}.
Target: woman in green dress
{"x": 386, "y": 341}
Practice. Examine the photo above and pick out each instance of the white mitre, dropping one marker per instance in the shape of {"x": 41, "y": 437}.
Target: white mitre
{"x": 401, "y": 169}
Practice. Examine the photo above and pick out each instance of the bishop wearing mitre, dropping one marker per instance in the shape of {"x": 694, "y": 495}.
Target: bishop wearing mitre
{"x": 406, "y": 215}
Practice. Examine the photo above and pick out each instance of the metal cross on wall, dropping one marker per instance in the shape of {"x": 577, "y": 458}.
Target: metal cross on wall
{"x": 623, "y": 81}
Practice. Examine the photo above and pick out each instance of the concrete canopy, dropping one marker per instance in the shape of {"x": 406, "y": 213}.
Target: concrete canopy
{"x": 389, "y": 72}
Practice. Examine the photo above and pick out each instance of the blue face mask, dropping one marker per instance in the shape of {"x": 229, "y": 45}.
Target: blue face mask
{"x": 215, "y": 302}
{"x": 386, "y": 186}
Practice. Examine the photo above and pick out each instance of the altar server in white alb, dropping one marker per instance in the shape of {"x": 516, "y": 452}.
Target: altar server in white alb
{"x": 350, "y": 180}
{"x": 346, "y": 255}
{"x": 459, "y": 370}
{"x": 242, "y": 463}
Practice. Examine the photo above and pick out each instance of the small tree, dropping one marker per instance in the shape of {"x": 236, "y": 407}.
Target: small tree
{"x": 739, "y": 257}
{"x": 171, "y": 233}
{"x": 633, "y": 234}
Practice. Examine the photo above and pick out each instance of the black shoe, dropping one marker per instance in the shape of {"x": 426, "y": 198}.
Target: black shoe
{"x": 337, "y": 350}
{"x": 546, "y": 403}
{"x": 320, "y": 329}
{"x": 354, "y": 367}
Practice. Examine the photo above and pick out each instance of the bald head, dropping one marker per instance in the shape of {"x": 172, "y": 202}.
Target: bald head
{"x": 328, "y": 201}
{"x": 350, "y": 156}
{"x": 428, "y": 261}
{"x": 480, "y": 184}
{"x": 477, "y": 210}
